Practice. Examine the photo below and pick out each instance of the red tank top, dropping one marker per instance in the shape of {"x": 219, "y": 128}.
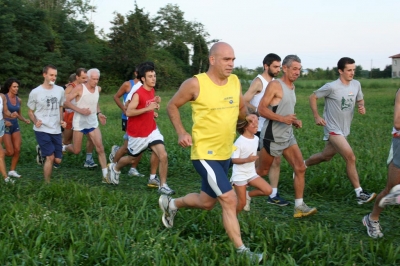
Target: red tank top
{"x": 142, "y": 125}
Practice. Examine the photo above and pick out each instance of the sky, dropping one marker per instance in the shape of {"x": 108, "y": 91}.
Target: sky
{"x": 320, "y": 32}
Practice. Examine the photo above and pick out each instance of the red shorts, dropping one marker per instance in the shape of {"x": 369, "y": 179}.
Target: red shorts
{"x": 68, "y": 117}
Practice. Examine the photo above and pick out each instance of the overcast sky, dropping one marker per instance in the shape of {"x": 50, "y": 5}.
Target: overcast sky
{"x": 320, "y": 32}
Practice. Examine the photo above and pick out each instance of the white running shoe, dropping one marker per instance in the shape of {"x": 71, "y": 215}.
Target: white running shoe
{"x": 166, "y": 190}
{"x": 134, "y": 172}
{"x": 14, "y": 173}
{"x": 168, "y": 214}
{"x": 114, "y": 150}
{"x": 113, "y": 175}
{"x": 248, "y": 201}
{"x": 9, "y": 180}
{"x": 393, "y": 198}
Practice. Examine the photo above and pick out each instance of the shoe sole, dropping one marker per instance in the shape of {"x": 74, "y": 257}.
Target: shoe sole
{"x": 369, "y": 200}
{"x": 299, "y": 215}
{"x": 152, "y": 186}
{"x": 90, "y": 166}
{"x": 277, "y": 204}
{"x": 163, "y": 219}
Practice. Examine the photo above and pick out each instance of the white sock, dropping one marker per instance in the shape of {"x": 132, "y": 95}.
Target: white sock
{"x": 172, "y": 205}
{"x": 298, "y": 202}
{"x": 358, "y": 191}
{"x": 104, "y": 171}
{"x": 152, "y": 176}
{"x": 274, "y": 192}
{"x": 247, "y": 195}
{"x": 241, "y": 248}
{"x": 305, "y": 164}
{"x": 63, "y": 148}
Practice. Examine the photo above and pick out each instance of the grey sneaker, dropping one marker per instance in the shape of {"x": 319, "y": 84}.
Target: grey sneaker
{"x": 39, "y": 157}
{"x": 303, "y": 210}
{"x": 393, "y": 198}
{"x": 254, "y": 257}
{"x": 134, "y": 172}
{"x": 168, "y": 215}
{"x": 90, "y": 164}
{"x": 365, "y": 197}
{"x": 247, "y": 206}
{"x": 166, "y": 190}
{"x": 373, "y": 227}
{"x": 9, "y": 180}
{"x": 154, "y": 183}
{"x": 114, "y": 150}
{"x": 113, "y": 175}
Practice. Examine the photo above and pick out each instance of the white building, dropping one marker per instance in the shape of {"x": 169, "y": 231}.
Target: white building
{"x": 395, "y": 65}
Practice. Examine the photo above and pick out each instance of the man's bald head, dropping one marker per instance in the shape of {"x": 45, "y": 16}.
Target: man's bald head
{"x": 218, "y": 47}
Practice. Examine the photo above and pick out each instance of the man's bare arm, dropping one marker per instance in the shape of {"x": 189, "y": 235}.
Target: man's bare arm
{"x": 125, "y": 87}
{"x": 254, "y": 89}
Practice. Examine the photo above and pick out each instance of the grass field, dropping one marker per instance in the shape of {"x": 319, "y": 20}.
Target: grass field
{"x": 77, "y": 220}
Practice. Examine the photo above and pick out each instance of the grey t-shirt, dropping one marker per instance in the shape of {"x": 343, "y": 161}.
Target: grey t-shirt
{"x": 340, "y": 100}
{"x": 46, "y": 103}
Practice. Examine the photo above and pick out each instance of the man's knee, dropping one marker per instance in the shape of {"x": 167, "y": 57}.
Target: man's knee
{"x": 57, "y": 160}
{"x": 208, "y": 205}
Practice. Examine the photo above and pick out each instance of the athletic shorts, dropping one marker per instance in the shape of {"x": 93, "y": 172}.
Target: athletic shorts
{"x": 68, "y": 117}
{"x": 214, "y": 176}
{"x": 244, "y": 182}
{"x": 87, "y": 130}
{"x": 49, "y": 144}
{"x": 137, "y": 145}
{"x": 124, "y": 123}
{"x": 2, "y": 128}
{"x": 125, "y": 137}
{"x": 396, "y": 152}
{"x": 276, "y": 148}
{"x": 13, "y": 128}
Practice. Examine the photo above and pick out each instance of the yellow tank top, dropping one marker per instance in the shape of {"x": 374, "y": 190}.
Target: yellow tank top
{"x": 215, "y": 113}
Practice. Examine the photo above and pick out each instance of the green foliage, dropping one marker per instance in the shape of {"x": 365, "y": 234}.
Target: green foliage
{"x": 200, "y": 55}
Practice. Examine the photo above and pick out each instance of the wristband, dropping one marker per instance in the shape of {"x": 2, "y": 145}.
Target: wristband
{"x": 98, "y": 113}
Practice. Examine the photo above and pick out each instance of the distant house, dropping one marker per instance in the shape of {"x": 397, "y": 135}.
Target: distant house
{"x": 395, "y": 65}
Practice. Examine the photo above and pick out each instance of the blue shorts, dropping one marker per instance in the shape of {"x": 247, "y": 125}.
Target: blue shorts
{"x": 124, "y": 123}
{"x": 49, "y": 144}
{"x": 214, "y": 176}
{"x": 87, "y": 130}
{"x": 13, "y": 128}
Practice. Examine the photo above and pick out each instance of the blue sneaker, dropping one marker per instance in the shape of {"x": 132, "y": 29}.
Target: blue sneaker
{"x": 90, "y": 164}
{"x": 277, "y": 201}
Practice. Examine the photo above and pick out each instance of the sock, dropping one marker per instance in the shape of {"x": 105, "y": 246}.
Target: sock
{"x": 89, "y": 157}
{"x": 172, "y": 205}
{"x": 104, "y": 171}
{"x": 298, "y": 202}
{"x": 358, "y": 191}
{"x": 274, "y": 192}
{"x": 369, "y": 218}
{"x": 133, "y": 168}
{"x": 241, "y": 248}
{"x": 152, "y": 176}
{"x": 165, "y": 185}
{"x": 305, "y": 164}
{"x": 247, "y": 195}
{"x": 64, "y": 148}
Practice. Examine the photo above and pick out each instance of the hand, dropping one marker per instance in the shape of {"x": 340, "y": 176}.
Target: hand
{"x": 185, "y": 140}
{"x": 7, "y": 123}
{"x": 63, "y": 124}
{"x": 361, "y": 109}
{"x": 38, "y": 123}
{"x": 155, "y": 114}
{"x": 14, "y": 115}
{"x": 85, "y": 111}
{"x": 157, "y": 99}
{"x": 153, "y": 106}
{"x": 289, "y": 119}
{"x": 298, "y": 124}
{"x": 27, "y": 121}
{"x": 319, "y": 121}
{"x": 252, "y": 158}
{"x": 102, "y": 119}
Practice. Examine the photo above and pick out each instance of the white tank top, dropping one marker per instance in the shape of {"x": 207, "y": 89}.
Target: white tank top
{"x": 257, "y": 98}
{"x": 87, "y": 100}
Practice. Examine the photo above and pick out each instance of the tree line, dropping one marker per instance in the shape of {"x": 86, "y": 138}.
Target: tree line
{"x": 34, "y": 33}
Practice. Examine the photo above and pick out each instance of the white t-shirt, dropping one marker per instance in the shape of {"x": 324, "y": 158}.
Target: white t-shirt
{"x": 46, "y": 104}
{"x": 244, "y": 148}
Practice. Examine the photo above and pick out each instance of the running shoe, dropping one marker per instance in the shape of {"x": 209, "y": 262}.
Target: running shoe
{"x": 168, "y": 215}
{"x": 247, "y": 206}
{"x": 9, "y": 180}
{"x": 56, "y": 166}
{"x": 393, "y": 198}
{"x": 13, "y": 173}
{"x": 277, "y": 201}
{"x": 134, "y": 172}
{"x": 365, "y": 197}
{"x": 166, "y": 190}
{"x": 39, "y": 158}
{"x": 113, "y": 175}
{"x": 106, "y": 179}
{"x": 154, "y": 182}
{"x": 303, "y": 210}
{"x": 90, "y": 164}
{"x": 254, "y": 257}
{"x": 114, "y": 150}
{"x": 373, "y": 227}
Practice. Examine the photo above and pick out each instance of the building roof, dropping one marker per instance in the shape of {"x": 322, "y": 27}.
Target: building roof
{"x": 395, "y": 56}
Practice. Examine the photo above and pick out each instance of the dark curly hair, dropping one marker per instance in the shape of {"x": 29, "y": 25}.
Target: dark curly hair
{"x": 6, "y": 88}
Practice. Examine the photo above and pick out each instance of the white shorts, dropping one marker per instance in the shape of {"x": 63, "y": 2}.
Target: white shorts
{"x": 137, "y": 145}
{"x": 244, "y": 182}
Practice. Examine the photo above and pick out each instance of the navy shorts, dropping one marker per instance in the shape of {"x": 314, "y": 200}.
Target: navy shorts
{"x": 49, "y": 144}
{"x": 214, "y": 176}
{"x": 13, "y": 128}
{"x": 87, "y": 130}
{"x": 124, "y": 123}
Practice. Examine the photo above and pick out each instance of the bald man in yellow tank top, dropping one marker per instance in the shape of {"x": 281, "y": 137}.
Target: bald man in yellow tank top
{"x": 217, "y": 103}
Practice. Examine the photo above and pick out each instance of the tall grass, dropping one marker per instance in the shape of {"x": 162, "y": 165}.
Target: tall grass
{"x": 77, "y": 220}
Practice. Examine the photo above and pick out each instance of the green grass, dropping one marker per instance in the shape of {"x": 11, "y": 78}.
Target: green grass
{"x": 77, "y": 220}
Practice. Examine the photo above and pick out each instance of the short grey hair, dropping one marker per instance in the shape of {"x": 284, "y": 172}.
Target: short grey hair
{"x": 93, "y": 70}
{"x": 289, "y": 59}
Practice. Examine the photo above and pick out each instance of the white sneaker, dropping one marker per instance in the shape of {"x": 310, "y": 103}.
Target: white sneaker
{"x": 14, "y": 174}
{"x": 9, "y": 180}
{"x": 113, "y": 175}
{"x": 166, "y": 190}
{"x": 134, "y": 172}
{"x": 114, "y": 150}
